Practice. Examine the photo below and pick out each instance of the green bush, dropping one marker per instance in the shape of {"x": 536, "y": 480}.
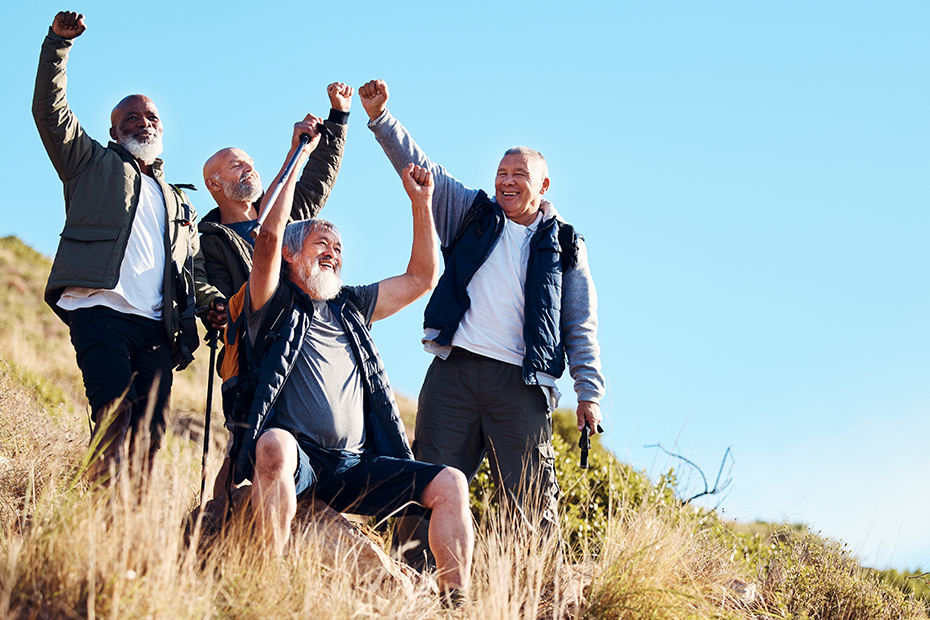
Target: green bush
{"x": 590, "y": 497}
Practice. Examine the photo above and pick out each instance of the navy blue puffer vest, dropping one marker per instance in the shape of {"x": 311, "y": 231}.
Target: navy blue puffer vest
{"x": 384, "y": 430}
{"x": 480, "y": 229}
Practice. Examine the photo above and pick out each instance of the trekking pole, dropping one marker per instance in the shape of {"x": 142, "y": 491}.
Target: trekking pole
{"x": 212, "y": 337}
{"x": 585, "y": 444}
{"x": 325, "y": 134}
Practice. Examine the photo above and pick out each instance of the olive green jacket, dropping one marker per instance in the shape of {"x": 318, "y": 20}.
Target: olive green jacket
{"x": 102, "y": 187}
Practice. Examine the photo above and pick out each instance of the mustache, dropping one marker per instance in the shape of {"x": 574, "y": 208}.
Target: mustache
{"x": 145, "y": 133}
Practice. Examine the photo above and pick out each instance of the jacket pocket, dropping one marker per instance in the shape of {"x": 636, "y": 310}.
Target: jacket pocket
{"x": 89, "y": 256}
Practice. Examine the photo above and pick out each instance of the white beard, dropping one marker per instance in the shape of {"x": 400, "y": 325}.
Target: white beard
{"x": 322, "y": 284}
{"x": 243, "y": 191}
{"x": 144, "y": 151}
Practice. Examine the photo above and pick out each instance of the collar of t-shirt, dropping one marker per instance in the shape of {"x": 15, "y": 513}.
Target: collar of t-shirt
{"x": 244, "y": 229}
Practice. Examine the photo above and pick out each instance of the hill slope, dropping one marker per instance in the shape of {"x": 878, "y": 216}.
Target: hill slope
{"x": 73, "y": 551}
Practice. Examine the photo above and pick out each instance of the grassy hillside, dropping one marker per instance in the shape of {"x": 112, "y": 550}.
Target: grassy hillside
{"x": 629, "y": 548}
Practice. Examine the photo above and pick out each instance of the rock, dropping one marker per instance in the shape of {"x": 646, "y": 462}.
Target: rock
{"x": 336, "y": 537}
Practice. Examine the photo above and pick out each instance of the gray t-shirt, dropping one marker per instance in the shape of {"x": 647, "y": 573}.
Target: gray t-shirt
{"x": 323, "y": 398}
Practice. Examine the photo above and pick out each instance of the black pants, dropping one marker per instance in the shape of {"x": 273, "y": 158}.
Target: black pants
{"x": 119, "y": 352}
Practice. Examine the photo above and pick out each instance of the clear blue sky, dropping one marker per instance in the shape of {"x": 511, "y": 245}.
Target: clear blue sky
{"x": 751, "y": 179}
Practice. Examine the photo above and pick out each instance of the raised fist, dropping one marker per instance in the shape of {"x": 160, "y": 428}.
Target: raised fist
{"x": 340, "y": 96}
{"x": 418, "y": 182}
{"x": 374, "y": 96}
{"x": 68, "y": 25}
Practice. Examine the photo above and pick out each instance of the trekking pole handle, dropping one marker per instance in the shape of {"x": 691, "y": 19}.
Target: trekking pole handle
{"x": 305, "y": 138}
{"x": 585, "y": 444}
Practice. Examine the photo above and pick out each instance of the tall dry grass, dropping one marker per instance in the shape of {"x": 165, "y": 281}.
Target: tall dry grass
{"x": 130, "y": 549}
{"x": 126, "y": 550}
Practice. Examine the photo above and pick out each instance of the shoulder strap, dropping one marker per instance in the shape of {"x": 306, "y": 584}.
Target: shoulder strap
{"x": 280, "y": 304}
{"x": 568, "y": 241}
{"x": 474, "y": 215}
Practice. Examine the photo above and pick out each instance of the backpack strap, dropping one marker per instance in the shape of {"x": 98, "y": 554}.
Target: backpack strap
{"x": 568, "y": 242}
{"x": 188, "y": 339}
{"x": 473, "y": 216}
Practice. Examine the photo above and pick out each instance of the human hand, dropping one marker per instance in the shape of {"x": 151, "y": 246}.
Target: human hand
{"x": 311, "y": 126}
{"x": 340, "y": 96}
{"x": 588, "y": 412}
{"x": 418, "y": 182}
{"x": 69, "y": 25}
{"x": 214, "y": 316}
{"x": 374, "y": 96}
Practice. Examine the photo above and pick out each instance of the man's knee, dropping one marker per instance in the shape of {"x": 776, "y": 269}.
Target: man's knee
{"x": 450, "y": 485}
{"x": 275, "y": 454}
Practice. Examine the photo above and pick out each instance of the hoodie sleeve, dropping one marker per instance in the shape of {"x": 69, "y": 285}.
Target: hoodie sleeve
{"x": 579, "y": 326}
{"x": 451, "y": 198}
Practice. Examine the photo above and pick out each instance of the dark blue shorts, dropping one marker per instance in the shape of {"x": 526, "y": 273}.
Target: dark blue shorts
{"x": 363, "y": 484}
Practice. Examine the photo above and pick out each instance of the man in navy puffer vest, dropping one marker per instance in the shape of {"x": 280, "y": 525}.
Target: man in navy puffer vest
{"x": 515, "y": 301}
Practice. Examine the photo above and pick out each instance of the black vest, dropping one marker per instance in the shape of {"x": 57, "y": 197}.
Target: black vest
{"x": 384, "y": 430}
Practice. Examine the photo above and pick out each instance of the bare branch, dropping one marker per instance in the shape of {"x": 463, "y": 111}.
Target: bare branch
{"x": 718, "y": 488}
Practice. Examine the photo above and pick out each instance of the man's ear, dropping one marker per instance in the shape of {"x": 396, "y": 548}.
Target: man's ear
{"x": 287, "y": 255}
{"x": 113, "y": 135}
{"x": 212, "y": 184}
{"x": 545, "y": 186}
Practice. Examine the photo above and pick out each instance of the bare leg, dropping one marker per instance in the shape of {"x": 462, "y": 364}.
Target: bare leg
{"x": 274, "y": 496}
{"x": 451, "y": 535}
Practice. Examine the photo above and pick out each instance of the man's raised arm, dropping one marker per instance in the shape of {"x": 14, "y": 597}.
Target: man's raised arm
{"x": 451, "y": 198}
{"x": 266, "y": 260}
{"x": 319, "y": 175}
{"x": 423, "y": 269}
{"x": 66, "y": 143}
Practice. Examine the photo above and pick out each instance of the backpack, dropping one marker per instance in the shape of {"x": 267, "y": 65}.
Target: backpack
{"x": 238, "y": 369}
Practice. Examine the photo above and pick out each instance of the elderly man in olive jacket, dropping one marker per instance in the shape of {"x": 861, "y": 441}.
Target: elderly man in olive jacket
{"x": 128, "y": 272}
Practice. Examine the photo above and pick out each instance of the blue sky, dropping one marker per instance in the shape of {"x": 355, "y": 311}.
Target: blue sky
{"x": 751, "y": 179}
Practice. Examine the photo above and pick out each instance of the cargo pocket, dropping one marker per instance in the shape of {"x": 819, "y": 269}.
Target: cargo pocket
{"x": 91, "y": 252}
{"x": 550, "y": 486}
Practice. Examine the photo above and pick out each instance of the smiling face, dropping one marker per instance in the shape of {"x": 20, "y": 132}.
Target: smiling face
{"x": 519, "y": 186}
{"x": 136, "y": 126}
{"x": 318, "y": 266}
{"x": 232, "y": 172}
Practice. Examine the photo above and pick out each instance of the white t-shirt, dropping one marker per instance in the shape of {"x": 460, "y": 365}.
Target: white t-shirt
{"x": 142, "y": 273}
{"x": 493, "y": 324}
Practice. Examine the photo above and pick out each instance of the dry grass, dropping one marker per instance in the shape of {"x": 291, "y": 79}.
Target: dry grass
{"x": 120, "y": 551}
{"x": 130, "y": 549}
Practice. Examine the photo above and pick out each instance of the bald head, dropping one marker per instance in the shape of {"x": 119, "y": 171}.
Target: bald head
{"x": 230, "y": 175}
{"x": 129, "y": 102}
{"x": 136, "y": 126}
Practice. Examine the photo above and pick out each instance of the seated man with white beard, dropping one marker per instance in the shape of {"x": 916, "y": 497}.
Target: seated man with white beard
{"x": 325, "y": 421}
{"x": 128, "y": 265}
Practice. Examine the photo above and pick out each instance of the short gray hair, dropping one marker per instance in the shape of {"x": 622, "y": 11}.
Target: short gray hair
{"x": 532, "y": 155}
{"x": 297, "y": 232}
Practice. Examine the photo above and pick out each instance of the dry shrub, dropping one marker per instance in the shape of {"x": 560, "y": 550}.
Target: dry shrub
{"x": 657, "y": 562}
{"x": 809, "y": 577}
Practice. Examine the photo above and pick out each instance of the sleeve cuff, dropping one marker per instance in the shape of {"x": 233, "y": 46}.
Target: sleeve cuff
{"x": 337, "y": 116}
